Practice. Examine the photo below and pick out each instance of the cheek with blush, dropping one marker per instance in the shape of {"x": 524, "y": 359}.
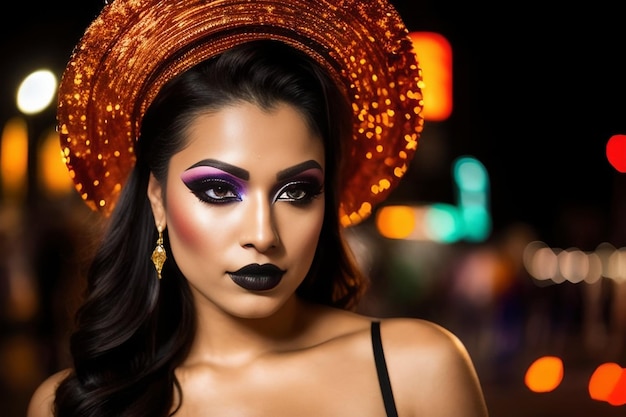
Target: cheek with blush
{"x": 186, "y": 232}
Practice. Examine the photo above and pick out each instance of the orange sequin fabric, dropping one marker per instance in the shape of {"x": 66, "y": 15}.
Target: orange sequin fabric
{"x": 135, "y": 46}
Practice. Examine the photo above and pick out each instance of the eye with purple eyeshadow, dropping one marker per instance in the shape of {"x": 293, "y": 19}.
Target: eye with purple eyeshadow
{"x": 299, "y": 191}
{"x": 213, "y": 185}
{"x": 217, "y": 182}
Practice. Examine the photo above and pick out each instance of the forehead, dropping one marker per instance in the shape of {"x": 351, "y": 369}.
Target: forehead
{"x": 248, "y": 135}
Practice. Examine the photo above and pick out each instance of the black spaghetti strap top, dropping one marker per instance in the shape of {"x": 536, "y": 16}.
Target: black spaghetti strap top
{"x": 381, "y": 369}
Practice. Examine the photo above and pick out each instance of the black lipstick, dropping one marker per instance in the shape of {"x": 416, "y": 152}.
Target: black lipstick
{"x": 255, "y": 277}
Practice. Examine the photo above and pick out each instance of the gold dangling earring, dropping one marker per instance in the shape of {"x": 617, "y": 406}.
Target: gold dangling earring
{"x": 158, "y": 254}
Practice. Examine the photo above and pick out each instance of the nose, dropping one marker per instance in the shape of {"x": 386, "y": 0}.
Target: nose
{"x": 258, "y": 228}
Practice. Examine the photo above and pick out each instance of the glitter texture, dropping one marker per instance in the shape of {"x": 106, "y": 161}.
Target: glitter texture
{"x": 135, "y": 46}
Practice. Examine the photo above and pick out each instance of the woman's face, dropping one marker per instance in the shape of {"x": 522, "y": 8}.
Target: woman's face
{"x": 247, "y": 192}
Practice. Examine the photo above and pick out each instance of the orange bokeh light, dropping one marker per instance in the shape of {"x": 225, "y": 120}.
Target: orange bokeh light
{"x": 14, "y": 157}
{"x": 395, "y": 222}
{"x": 544, "y": 374}
{"x": 608, "y": 383}
{"x": 434, "y": 55}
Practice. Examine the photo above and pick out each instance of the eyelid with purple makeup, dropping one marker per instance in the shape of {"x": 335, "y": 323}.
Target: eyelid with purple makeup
{"x": 309, "y": 182}
{"x": 312, "y": 176}
{"x": 198, "y": 174}
{"x": 220, "y": 166}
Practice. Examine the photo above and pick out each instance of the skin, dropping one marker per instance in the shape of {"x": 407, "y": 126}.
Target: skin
{"x": 209, "y": 239}
{"x": 268, "y": 353}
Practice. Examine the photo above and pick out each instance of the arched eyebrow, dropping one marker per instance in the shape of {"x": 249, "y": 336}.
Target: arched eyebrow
{"x": 223, "y": 166}
{"x": 296, "y": 169}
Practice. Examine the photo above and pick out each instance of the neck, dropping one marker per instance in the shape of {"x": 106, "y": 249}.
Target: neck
{"x": 223, "y": 338}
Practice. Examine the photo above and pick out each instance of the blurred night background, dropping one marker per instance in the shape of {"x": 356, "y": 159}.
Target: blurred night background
{"x": 537, "y": 93}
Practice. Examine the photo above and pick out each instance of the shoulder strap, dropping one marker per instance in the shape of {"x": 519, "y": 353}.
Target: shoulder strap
{"x": 381, "y": 369}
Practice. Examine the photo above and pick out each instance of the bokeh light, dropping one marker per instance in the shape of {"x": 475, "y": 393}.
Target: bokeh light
{"x": 608, "y": 383}
{"x": 14, "y": 157}
{"x": 36, "y": 92}
{"x": 544, "y": 374}
{"x": 616, "y": 152}
{"x": 434, "y": 54}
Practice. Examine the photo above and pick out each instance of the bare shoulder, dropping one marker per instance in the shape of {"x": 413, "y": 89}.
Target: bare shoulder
{"x": 41, "y": 402}
{"x": 424, "y": 347}
{"x": 430, "y": 370}
{"x": 421, "y": 335}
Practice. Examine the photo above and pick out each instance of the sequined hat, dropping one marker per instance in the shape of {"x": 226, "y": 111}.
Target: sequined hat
{"x": 133, "y": 47}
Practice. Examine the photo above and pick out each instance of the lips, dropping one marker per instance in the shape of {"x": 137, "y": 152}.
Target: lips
{"x": 255, "y": 277}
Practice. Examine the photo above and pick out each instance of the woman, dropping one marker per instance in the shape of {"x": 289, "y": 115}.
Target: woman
{"x": 223, "y": 285}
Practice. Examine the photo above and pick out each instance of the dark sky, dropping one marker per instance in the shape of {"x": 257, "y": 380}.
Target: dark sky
{"x": 538, "y": 91}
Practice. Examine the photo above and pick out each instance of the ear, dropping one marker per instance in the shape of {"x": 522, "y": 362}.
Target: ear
{"x": 155, "y": 195}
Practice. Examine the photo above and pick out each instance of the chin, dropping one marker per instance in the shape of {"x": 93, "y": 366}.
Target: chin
{"x": 260, "y": 307}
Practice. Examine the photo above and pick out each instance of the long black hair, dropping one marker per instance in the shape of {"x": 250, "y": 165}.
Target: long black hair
{"x": 133, "y": 330}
